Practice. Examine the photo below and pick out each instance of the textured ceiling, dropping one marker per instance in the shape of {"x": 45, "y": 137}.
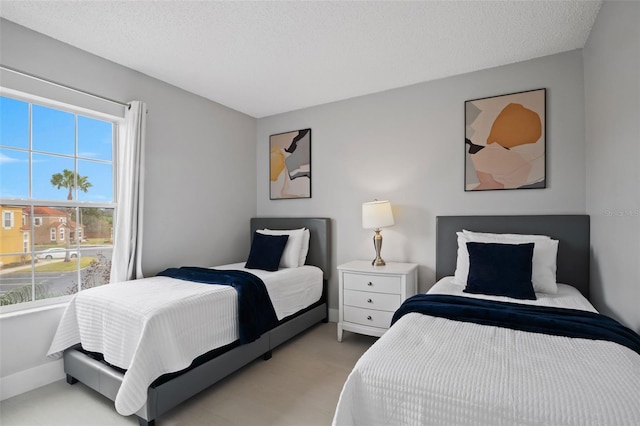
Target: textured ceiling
{"x": 265, "y": 57}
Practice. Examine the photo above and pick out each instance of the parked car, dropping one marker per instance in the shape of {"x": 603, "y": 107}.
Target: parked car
{"x": 55, "y": 253}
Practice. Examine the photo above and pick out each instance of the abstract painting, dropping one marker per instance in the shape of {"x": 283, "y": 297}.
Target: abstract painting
{"x": 290, "y": 165}
{"x": 505, "y": 141}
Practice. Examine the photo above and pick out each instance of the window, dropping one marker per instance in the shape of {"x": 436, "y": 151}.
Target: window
{"x": 57, "y": 167}
{"x": 7, "y": 219}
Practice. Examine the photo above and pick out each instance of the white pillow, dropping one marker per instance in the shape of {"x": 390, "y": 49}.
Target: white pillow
{"x": 545, "y": 252}
{"x": 306, "y": 236}
{"x": 291, "y": 254}
{"x": 304, "y": 246}
{"x": 510, "y": 237}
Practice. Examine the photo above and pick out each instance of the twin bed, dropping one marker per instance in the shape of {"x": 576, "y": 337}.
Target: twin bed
{"x": 150, "y": 344}
{"x": 436, "y": 369}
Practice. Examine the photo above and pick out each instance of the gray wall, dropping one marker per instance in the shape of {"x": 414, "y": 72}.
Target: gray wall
{"x": 200, "y": 179}
{"x": 407, "y": 145}
{"x": 612, "y": 112}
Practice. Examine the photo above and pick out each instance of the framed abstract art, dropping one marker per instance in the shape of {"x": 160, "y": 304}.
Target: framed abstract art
{"x": 290, "y": 165}
{"x": 505, "y": 141}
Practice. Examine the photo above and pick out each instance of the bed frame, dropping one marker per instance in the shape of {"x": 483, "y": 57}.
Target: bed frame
{"x": 170, "y": 391}
{"x": 571, "y": 230}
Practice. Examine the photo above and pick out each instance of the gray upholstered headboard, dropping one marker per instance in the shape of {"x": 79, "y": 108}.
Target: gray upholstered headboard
{"x": 319, "y": 243}
{"x": 571, "y": 230}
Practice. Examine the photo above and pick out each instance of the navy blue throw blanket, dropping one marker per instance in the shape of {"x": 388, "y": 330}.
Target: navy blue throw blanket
{"x": 535, "y": 319}
{"x": 255, "y": 309}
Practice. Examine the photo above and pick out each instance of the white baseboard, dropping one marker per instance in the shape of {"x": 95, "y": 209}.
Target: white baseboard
{"x": 33, "y": 378}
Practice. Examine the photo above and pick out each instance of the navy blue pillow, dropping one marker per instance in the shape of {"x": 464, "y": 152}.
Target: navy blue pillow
{"x": 500, "y": 270}
{"x": 266, "y": 251}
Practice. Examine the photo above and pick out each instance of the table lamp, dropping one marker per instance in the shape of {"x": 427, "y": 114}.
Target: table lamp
{"x": 376, "y": 215}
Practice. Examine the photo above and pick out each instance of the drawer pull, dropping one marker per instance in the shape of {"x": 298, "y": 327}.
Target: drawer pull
{"x": 369, "y": 301}
{"x": 369, "y": 318}
{"x": 370, "y": 283}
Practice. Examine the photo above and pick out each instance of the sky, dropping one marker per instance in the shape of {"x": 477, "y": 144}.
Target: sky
{"x": 53, "y": 147}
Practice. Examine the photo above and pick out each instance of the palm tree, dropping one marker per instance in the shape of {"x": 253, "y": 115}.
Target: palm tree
{"x": 70, "y": 180}
{"x": 67, "y": 179}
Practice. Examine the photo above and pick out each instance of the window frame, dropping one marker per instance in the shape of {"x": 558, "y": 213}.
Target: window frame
{"x": 9, "y": 219}
{"x": 31, "y": 203}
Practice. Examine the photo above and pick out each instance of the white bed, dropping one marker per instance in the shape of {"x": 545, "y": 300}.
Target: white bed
{"x": 434, "y": 371}
{"x": 428, "y": 370}
{"x": 159, "y": 325}
{"x": 133, "y": 334}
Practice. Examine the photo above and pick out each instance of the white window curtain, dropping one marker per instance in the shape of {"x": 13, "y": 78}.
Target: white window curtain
{"x": 126, "y": 262}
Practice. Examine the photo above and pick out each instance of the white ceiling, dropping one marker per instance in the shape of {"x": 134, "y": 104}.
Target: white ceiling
{"x": 264, "y": 58}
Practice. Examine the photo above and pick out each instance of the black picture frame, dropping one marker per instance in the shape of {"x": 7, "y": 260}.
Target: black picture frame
{"x": 290, "y": 165}
{"x": 505, "y": 141}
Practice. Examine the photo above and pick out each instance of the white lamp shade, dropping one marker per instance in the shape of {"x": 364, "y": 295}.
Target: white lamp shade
{"x": 376, "y": 214}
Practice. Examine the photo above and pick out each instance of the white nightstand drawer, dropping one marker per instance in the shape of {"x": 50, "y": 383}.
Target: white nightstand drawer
{"x": 369, "y": 300}
{"x": 376, "y": 283}
{"x": 368, "y": 317}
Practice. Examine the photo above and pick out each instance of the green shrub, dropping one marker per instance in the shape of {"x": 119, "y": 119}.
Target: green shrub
{"x": 23, "y": 294}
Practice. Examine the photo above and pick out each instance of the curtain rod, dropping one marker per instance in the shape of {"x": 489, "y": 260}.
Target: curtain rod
{"x": 64, "y": 86}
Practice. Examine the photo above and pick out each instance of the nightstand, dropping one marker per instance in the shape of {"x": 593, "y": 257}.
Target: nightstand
{"x": 369, "y": 295}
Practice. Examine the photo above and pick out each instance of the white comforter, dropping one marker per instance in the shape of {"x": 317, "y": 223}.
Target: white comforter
{"x": 159, "y": 325}
{"x": 434, "y": 371}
